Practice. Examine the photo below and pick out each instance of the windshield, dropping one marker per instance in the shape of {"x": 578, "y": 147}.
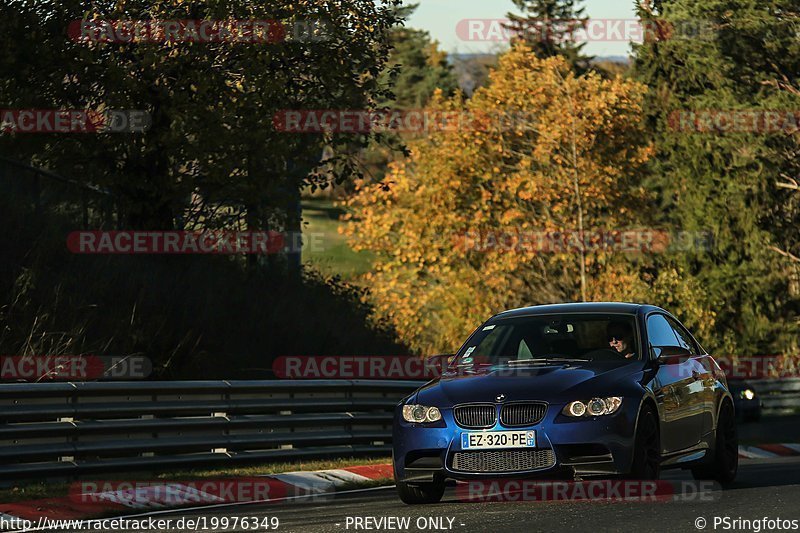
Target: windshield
{"x": 548, "y": 338}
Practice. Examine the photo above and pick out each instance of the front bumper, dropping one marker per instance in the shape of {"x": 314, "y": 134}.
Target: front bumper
{"x": 599, "y": 446}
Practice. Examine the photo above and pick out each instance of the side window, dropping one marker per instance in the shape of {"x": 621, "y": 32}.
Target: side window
{"x": 684, "y": 338}
{"x": 659, "y": 332}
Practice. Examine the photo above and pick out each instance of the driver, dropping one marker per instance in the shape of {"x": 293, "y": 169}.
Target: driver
{"x": 620, "y": 338}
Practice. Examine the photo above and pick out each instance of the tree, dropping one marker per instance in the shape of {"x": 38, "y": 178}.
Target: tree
{"x": 416, "y": 66}
{"x": 724, "y": 179}
{"x": 212, "y": 103}
{"x": 416, "y": 69}
{"x": 549, "y": 27}
{"x": 792, "y": 185}
{"x": 539, "y": 149}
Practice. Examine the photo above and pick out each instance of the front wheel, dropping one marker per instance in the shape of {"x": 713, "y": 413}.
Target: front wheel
{"x": 647, "y": 447}
{"x": 420, "y": 493}
{"x": 723, "y": 465}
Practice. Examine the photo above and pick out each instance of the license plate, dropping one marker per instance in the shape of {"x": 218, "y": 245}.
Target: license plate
{"x": 498, "y": 439}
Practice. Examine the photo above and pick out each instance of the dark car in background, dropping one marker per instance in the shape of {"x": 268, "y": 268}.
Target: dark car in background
{"x": 589, "y": 389}
{"x": 746, "y": 400}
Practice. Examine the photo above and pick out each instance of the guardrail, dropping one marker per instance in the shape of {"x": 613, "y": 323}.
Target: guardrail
{"x": 66, "y": 429}
{"x": 778, "y": 396}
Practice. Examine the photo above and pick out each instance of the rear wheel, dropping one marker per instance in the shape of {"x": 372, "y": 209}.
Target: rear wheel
{"x": 723, "y": 465}
{"x": 420, "y": 493}
{"x": 647, "y": 447}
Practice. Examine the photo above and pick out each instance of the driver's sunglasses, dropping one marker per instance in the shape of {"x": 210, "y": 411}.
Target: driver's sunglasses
{"x": 615, "y": 339}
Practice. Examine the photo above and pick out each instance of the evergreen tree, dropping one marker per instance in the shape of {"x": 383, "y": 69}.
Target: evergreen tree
{"x": 549, "y": 27}
{"x": 724, "y": 57}
{"x": 416, "y": 65}
{"x": 416, "y": 69}
{"x": 423, "y": 69}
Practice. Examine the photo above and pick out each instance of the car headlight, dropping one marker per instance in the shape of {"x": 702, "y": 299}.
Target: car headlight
{"x": 594, "y": 407}
{"x": 420, "y": 414}
{"x": 748, "y": 394}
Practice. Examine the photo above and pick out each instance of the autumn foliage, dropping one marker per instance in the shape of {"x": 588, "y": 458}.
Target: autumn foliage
{"x": 543, "y": 150}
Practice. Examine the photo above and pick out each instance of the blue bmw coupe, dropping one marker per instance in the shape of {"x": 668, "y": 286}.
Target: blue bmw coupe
{"x": 582, "y": 390}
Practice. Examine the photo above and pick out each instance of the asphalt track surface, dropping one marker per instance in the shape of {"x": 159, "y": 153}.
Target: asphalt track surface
{"x": 765, "y": 488}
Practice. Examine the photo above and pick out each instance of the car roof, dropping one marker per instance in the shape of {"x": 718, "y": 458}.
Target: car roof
{"x": 582, "y": 307}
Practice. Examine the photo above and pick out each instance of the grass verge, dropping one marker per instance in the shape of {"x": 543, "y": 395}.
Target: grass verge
{"x": 327, "y": 250}
{"x": 43, "y": 490}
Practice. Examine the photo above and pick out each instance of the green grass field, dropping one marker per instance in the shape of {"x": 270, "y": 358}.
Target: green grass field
{"x": 327, "y": 251}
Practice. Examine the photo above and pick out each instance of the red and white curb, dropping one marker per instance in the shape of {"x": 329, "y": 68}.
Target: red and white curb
{"x": 159, "y": 494}
{"x": 325, "y": 481}
{"x": 766, "y": 451}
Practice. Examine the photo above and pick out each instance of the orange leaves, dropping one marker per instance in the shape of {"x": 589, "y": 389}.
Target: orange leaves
{"x": 539, "y": 131}
{"x": 511, "y": 216}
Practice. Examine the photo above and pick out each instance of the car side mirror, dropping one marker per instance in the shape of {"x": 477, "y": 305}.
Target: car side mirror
{"x": 669, "y": 353}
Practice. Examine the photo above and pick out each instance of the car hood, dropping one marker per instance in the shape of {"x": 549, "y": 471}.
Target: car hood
{"x": 552, "y": 383}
